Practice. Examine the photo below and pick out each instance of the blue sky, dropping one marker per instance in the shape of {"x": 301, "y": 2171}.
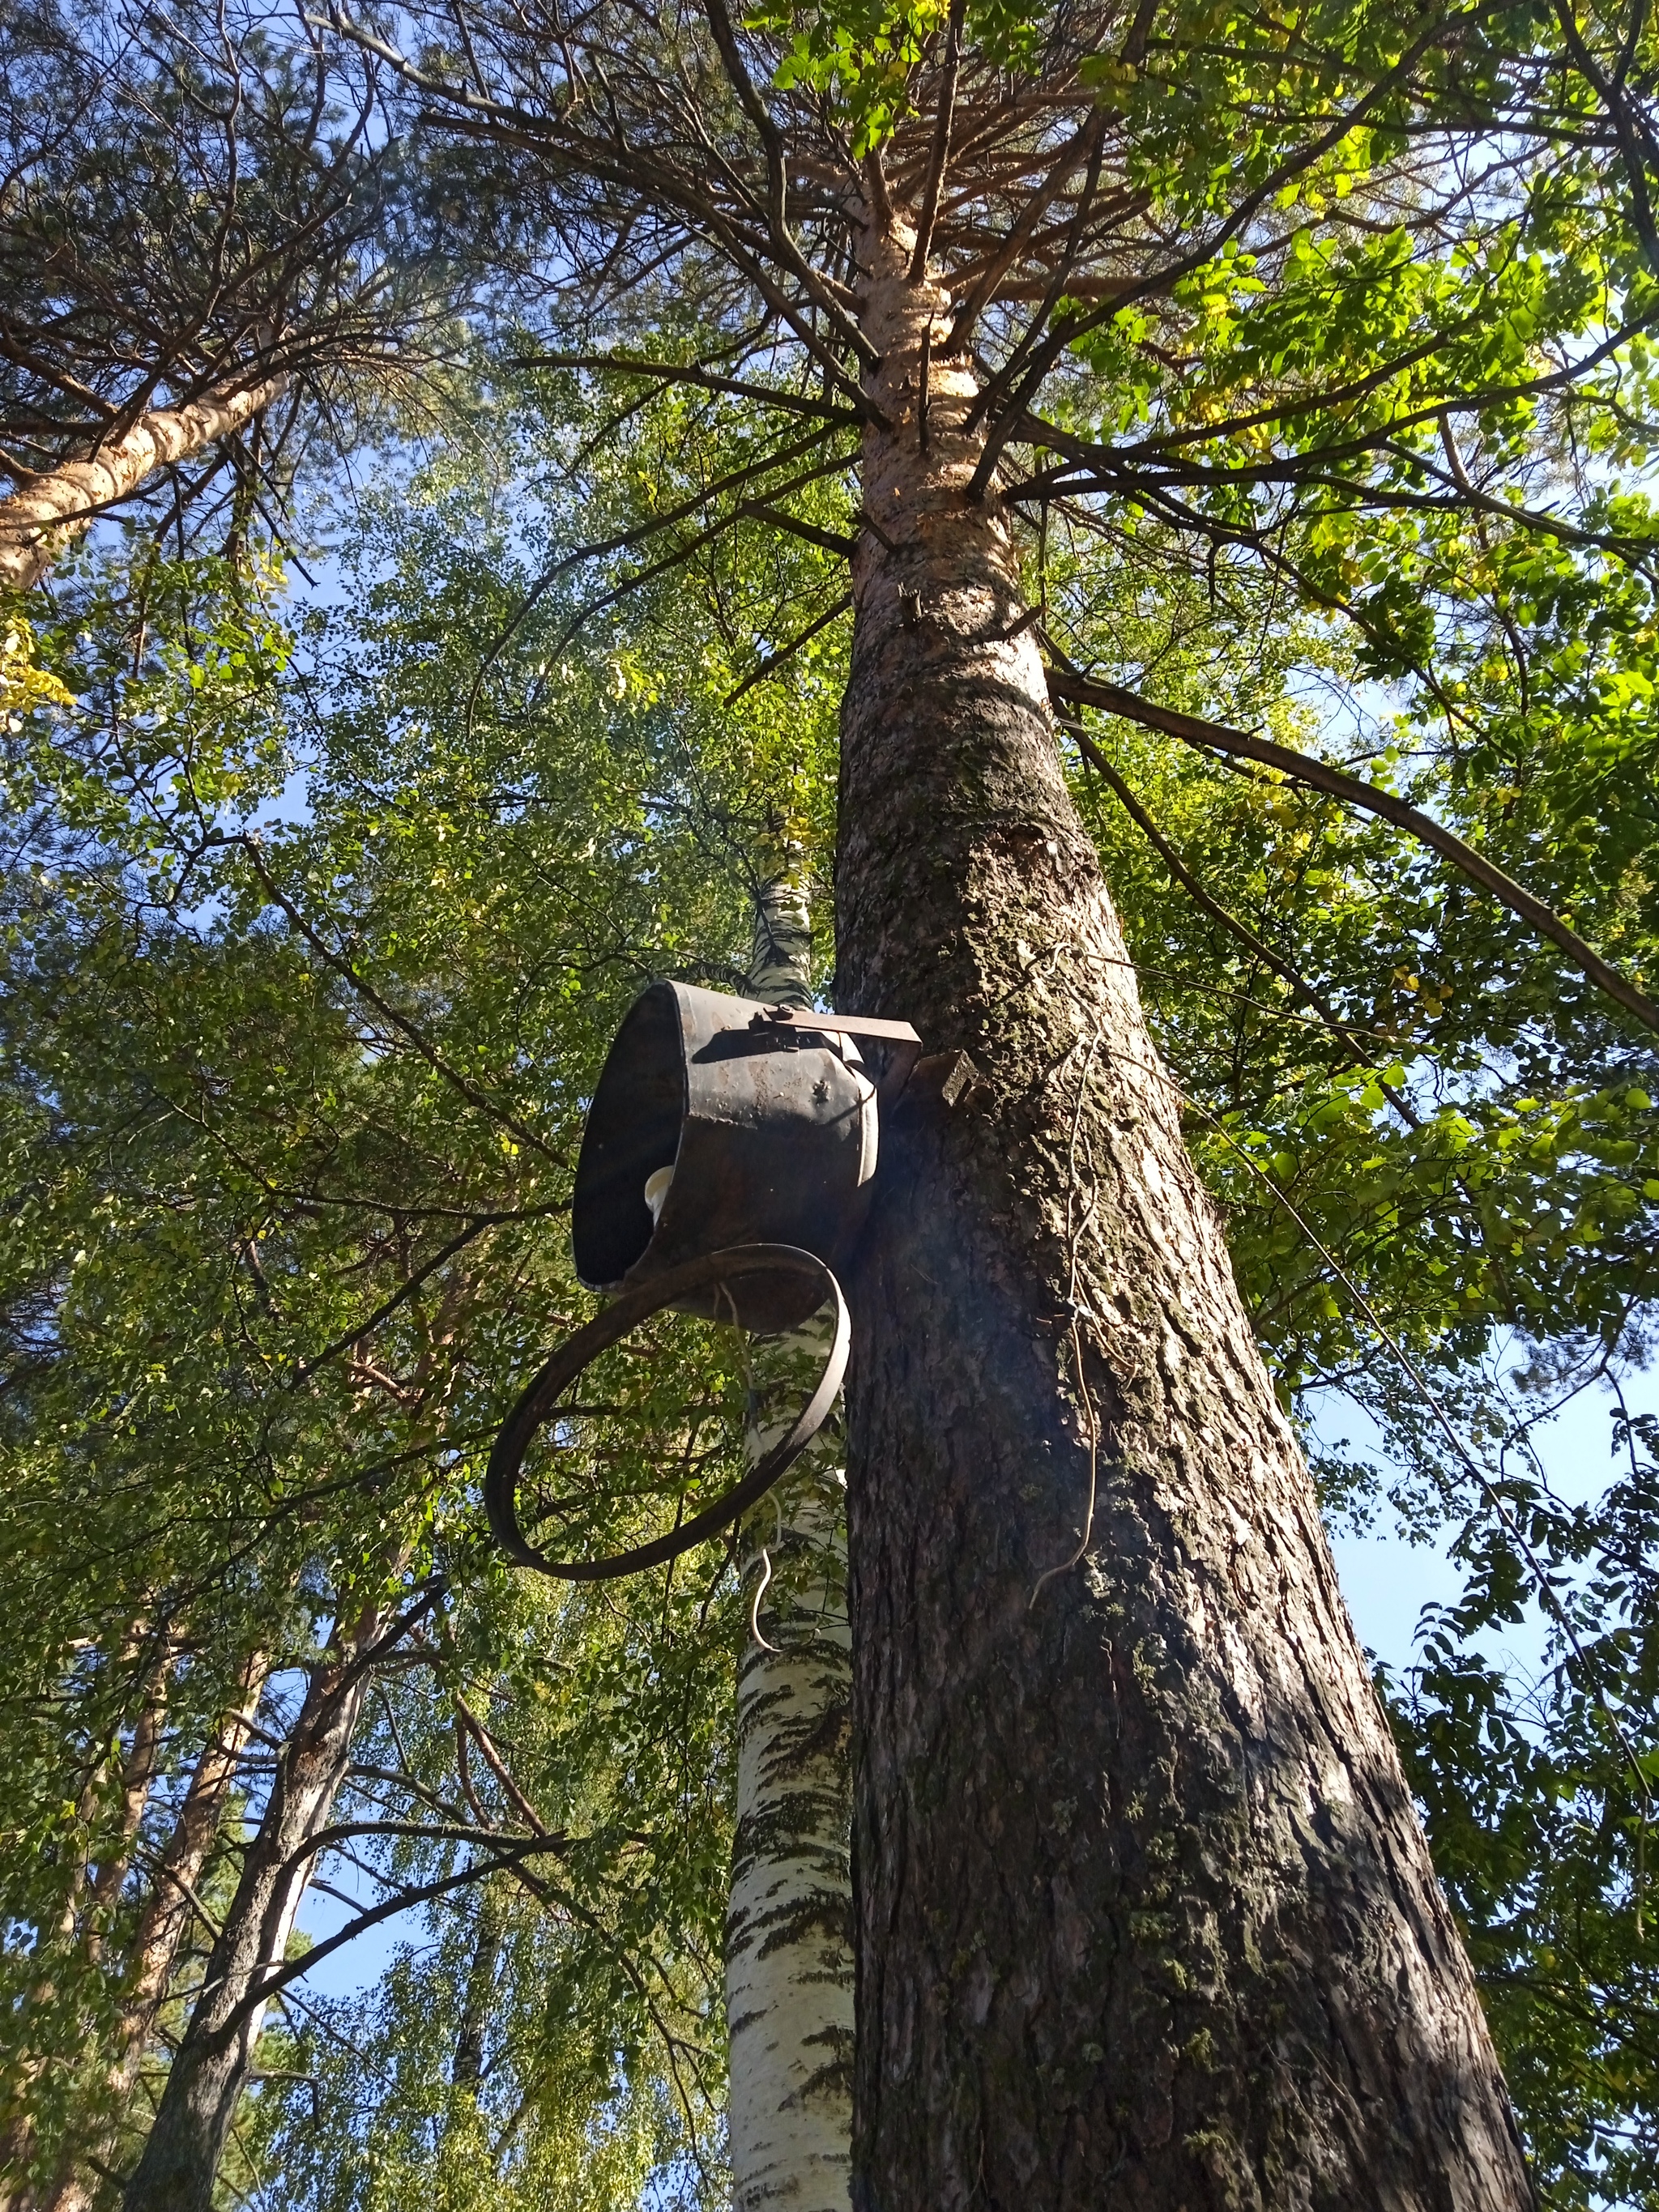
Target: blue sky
{"x": 1387, "y": 1581}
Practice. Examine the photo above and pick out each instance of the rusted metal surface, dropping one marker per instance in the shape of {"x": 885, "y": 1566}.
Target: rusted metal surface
{"x": 715, "y": 1273}
{"x": 727, "y": 1165}
{"x": 768, "y": 1120}
{"x": 902, "y": 1045}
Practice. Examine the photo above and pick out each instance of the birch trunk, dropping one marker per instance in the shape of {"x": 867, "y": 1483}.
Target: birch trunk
{"x": 53, "y": 509}
{"x": 161, "y": 1932}
{"x": 83, "y": 1925}
{"x": 789, "y": 1956}
{"x": 1146, "y": 1917}
{"x": 211, "y": 2066}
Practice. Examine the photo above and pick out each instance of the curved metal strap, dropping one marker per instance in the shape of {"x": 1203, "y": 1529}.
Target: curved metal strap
{"x": 539, "y": 1400}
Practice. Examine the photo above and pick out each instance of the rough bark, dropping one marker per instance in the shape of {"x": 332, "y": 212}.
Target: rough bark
{"x": 38, "y": 521}
{"x": 167, "y": 1912}
{"x": 211, "y": 2066}
{"x": 84, "y": 1922}
{"x": 1145, "y": 1916}
{"x": 137, "y": 1772}
{"x": 788, "y": 1931}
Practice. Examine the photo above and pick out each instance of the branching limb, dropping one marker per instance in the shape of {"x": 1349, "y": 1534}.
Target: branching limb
{"x": 671, "y": 371}
{"x": 366, "y": 990}
{"x": 1299, "y": 987}
{"x": 773, "y": 661}
{"x": 832, "y": 541}
{"x": 402, "y": 1900}
{"x": 1318, "y": 775}
{"x": 928, "y": 214}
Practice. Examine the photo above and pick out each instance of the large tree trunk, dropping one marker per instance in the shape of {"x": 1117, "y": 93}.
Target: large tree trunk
{"x": 789, "y": 1930}
{"x": 1145, "y": 1916}
{"x": 137, "y": 1772}
{"x": 167, "y": 1912}
{"x": 211, "y": 2066}
{"x": 53, "y": 508}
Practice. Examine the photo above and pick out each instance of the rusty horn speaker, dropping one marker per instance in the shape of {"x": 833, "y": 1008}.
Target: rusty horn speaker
{"x": 719, "y": 1122}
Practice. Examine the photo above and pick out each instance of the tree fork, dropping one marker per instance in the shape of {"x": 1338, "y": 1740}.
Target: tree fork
{"x": 1145, "y": 1916}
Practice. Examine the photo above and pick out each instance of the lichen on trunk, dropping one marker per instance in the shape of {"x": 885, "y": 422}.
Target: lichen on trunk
{"x": 1145, "y": 1916}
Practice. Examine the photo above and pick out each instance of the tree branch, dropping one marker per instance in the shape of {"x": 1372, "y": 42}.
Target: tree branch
{"x": 775, "y": 660}
{"x": 797, "y": 403}
{"x": 1302, "y": 768}
{"x": 928, "y": 214}
{"x": 832, "y": 541}
{"x": 401, "y": 1022}
{"x": 402, "y": 1901}
{"x": 1189, "y": 883}
{"x": 385, "y": 1311}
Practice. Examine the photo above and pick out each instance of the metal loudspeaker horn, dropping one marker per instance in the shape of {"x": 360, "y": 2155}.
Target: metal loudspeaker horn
{"x": 727, "y": 1169}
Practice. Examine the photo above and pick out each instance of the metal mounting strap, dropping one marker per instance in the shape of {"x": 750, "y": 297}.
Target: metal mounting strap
{"x": 900, "y": 1034}
{"x": 540, "y": 1402}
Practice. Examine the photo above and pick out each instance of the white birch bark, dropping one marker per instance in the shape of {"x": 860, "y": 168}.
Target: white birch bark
{"x": 53, "y": 508}
{"x": 789, "y": 1923}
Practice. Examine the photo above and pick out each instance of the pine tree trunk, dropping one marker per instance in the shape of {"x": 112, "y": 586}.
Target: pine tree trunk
{"x": 83, "y": 1924}
{"x": 1145, "y": 1916}
{"x": 55, "y": 507}
{"x": 167, "y": 1912}
{"x": 211, "y": 2066}
{"x": 137, "y": 1772}
{"x": 789, "y": 1930}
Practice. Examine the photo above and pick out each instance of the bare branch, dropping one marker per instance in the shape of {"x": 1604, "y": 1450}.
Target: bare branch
{"x": 831, "y": 541}
{"x": 773, "y": 661}
{"x": 928, "y": 213}
{"x": 1302, "y": 768}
